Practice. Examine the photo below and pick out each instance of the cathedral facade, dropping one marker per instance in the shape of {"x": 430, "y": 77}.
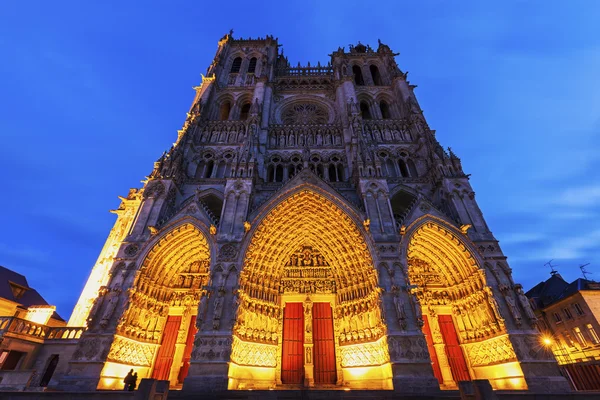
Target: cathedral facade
{"x": 306, "y": 229}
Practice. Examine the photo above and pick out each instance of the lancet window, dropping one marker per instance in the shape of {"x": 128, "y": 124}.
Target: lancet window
{"x": 245, "y": 111}
{"x": 330, "y": 169}
{"x": 252, "y": 65}
{"x": 375, "y": 75}
{"x": 214, "y": 167}
{"x": 385, "y": 110}
{"x": 236, "y": 65}
{"x": 224, "y": 110}
{"x": 364, "y": 110}
{"x": 358, "y": 76}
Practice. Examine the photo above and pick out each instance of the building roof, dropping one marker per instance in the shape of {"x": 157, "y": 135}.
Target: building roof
{"x": 556, "y": 288}
{"x": 14, "y": 287}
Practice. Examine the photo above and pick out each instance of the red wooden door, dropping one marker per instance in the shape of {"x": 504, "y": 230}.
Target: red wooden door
{"x": 164, "y": 359}
{"x": 292, "y": 360}
{"x": 187, "y": 354}
{"x": 324, "y": 349}
{"x": 456, "y": 358}
{"x": 434, "y": 360}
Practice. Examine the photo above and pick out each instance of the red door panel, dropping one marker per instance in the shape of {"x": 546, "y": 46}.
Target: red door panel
{"x": 456, "y": 358}
{"x": 292, "y": 360}
{"x": 164, "y": 359}
{"x": 324, "y": 348}
{"x": 187, "y": 354}
{"x": 434, "y": 360}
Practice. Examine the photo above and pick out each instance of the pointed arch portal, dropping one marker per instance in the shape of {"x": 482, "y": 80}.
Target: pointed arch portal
{"x": 465, "y": 332}
{"x": 309, "y": 303}
{"x": 155, "y": 333}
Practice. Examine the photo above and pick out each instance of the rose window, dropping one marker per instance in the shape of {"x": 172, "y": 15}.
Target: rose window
{"x": 304, "y": 114}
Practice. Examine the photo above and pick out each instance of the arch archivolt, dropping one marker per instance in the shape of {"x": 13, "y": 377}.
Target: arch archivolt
{"x": 448, "y": 279}
{"x": 168, "y": 283}
{"x": 453, "y": 294}
{"x": 307, "y": 249}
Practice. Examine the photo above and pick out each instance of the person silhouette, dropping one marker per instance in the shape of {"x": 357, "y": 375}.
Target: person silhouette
{"x": 128, "y": 380}
{"x": 133, "y": 382}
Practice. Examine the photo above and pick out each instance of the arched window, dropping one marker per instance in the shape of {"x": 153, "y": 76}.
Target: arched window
{"x": 252, "y": 65}
{"x": 385, "y": 109}
{"x": 403, "y": 169}
{"x": 224, "y": 111}
{"x": 364, "y": 110}
{"x": 412, "y": 169}
{"x": 221, "y": 169}
{"x": 245, "y": 112}
{"x": 319, "y": 172}
{"x": 340, "y": 172}
{"x": 279, "y": 173}
{"x": 358, "y": 77}
{"x": 375, "y": 75}
{"x": 270, "y": 174}
{"x": 208, "y": 170}
{"x": 236, "y": 65}
{"x": 391, "y": 169}
{"x": 332, "y": 173}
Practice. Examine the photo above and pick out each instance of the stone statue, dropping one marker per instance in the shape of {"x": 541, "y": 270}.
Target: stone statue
{"x": 202, "y": 307}
{"x": 111, "y": 300}
{"x": 510, "y": 302}
{"x": 525, "y": 304}
{"x": 400, "y": 312}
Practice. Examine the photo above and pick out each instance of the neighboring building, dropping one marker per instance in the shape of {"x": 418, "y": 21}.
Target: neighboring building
{"x": 306, "y": 229}
{"x": 569, "y": 315}
{"x": 26, "y": 321}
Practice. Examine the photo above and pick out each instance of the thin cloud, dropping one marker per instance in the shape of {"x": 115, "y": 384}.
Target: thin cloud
{"x": 582, "y": 196}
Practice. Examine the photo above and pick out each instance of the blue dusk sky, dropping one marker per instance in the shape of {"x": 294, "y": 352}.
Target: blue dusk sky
{"x": 93, "y": 92}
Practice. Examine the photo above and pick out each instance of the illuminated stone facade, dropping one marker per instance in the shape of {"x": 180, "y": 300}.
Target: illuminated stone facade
{"x": 305, "y": 230}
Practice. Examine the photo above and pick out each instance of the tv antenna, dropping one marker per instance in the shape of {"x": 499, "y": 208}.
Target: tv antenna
{"x": 552, "y": 270}
{"x": 583, "y": 271}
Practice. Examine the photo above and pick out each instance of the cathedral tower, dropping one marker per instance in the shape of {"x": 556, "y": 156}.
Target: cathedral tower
{"x": 305, "y": 229}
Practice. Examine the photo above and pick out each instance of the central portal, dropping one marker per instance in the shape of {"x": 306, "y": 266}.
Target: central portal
{"x": 308, "y": 350}
{"x": 308, "y": 304}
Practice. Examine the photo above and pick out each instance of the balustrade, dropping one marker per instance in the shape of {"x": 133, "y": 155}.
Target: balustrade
{"x": 65, "y": 332}
{"x": 232, "y": 78}
{"x": 305, "y": 71}
{"x": 250, "y": 79}
{"x": 19, "y": 326}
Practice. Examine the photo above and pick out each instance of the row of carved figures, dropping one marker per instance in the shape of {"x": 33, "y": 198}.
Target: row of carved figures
{"x": 387, "y": 133}
{"x": 226, "y": 134}
{"x": 300, "y": 137}
{"x": 258, "y": 322}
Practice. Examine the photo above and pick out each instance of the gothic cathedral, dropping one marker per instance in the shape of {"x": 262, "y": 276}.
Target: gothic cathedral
{"x": 306, "y": 229}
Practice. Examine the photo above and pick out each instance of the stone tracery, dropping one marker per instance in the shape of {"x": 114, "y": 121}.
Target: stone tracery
{"x": 304, "y": 114}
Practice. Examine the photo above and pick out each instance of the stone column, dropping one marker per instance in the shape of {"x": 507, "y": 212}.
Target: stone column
{"x": 309, "y": 368}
